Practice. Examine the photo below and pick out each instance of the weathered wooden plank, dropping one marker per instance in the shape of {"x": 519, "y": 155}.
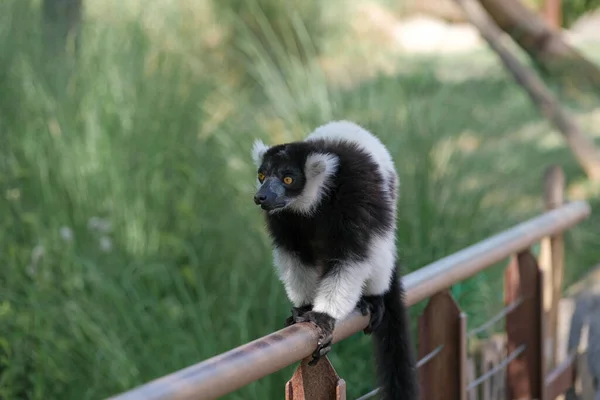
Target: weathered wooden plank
{"x": 443, "y": 324}
{"x": 561, "y": 378}
{"x": 524, "y": 326}
{"x": 493, "y": 352}
{"x": 552, "y": 263}
{"x": 471, "y": 375}
{"x": 318, "y": 382}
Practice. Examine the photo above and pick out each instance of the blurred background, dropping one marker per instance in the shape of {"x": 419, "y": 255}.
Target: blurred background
{"x": 130, "y": 246}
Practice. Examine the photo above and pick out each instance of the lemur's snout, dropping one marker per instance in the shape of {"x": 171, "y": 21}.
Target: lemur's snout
{"x": 259, "y": 198}
{"x": 267, "y": 201}
{"x": 271, "y": 195}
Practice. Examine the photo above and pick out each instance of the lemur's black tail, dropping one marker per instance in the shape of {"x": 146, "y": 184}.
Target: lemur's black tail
{"x": 394, "y": 355}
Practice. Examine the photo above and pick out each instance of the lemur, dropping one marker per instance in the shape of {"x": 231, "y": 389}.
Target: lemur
{"x": 330, "y": 208}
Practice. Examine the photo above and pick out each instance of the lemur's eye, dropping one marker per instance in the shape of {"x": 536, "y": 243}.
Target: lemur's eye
{"x": 261, "y": 177}
{"x": 288, "y": 180}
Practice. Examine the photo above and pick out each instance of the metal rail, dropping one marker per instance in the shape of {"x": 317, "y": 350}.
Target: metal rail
{"x": 240, "y": 366}
{"x": 497, "y": 368}
{"x": 420, "y": 363}
{"x": 490, "y": 322}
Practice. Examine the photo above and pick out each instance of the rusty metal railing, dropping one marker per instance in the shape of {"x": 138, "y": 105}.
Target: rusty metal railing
{"x": 240, "y": 366}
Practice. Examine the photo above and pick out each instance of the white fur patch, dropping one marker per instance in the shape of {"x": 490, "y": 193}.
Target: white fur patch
{"x": 319, "y": 168}
{"x": 258, "y": 151}
{"x": 300, "y": 281}
{"x": 338, "y": 294}
{"x": 382, "y": 260}
{"x": 352, "y": 132}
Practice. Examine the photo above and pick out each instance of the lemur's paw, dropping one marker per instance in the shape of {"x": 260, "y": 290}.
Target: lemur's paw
{"x": 297, "y": 312}
{"x": 363, "y": 306}
{"x": 373, "y": 305}
{"x": 326, "y": 325}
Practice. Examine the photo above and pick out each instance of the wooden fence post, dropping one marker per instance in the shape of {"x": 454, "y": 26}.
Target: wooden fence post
{"x": 444, "y": 376}
{"x": 552, "y": 263}
{"x": 552, "y": 11}
{"x": 493, "y": 352}
{"x": 525, "y": 327}
{"x": 318, "y": 382}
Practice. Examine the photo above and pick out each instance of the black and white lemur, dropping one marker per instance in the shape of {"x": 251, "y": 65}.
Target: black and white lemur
{"x": 330, "y": 206}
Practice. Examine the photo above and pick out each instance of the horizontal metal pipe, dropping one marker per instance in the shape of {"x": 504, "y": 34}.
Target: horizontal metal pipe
{"x": 238, "y": 367}
{"x": 447, "y": 271}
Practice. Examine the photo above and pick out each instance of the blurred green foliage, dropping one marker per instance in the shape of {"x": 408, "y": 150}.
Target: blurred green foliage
{"x": 270, "y": 22}
{"x": 574, "y": 9}
{"x": 130, "y": 246}
{"x": 571, "y": 9}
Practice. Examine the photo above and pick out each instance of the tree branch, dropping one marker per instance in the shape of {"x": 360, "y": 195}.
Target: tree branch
{"x": 581, "y": 146}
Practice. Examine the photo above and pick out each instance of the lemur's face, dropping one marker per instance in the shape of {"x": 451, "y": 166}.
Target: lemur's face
{"x": 281, "y": 177}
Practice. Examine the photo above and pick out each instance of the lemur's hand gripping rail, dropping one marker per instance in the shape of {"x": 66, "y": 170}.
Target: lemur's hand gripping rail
{"x": 238, "y": 367}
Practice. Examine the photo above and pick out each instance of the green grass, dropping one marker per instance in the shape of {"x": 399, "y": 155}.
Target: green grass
{"x": 150, "y": 134}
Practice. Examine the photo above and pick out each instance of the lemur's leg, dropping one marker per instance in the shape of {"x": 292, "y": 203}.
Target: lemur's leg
{"x": 297, "y": 312}
{"x": 383, "y": 265}
{"x": 299, "y": 280}
{"x": 337, "y": 295}
{"x": 374, "y": 306}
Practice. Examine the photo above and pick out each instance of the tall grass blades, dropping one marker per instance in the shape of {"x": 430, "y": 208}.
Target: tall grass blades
{"x": 130, "y": 246}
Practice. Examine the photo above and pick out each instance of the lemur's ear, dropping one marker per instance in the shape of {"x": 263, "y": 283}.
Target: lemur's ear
{"x": 320, "y": 165}
{"x": 258, "y": 151}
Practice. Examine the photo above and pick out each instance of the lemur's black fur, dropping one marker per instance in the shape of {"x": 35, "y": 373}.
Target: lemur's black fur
{"x": 339, "y": 230}
{"x": 346, "y": 218}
